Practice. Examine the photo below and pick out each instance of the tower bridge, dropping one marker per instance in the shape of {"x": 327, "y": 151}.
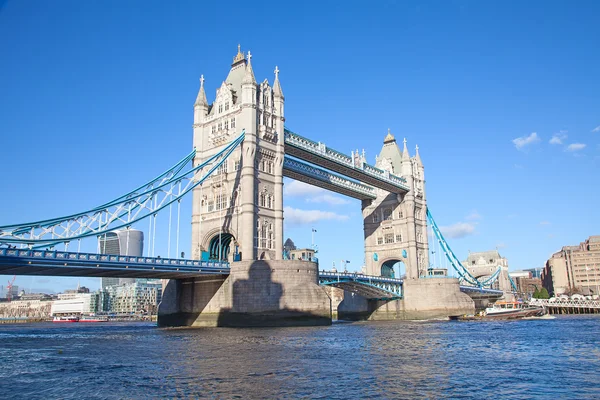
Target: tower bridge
{"x": 242, "y": 153}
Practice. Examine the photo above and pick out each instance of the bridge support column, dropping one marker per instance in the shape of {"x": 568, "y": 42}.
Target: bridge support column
{"x": 422, "y": 299}
{"x": 256, "y": 293}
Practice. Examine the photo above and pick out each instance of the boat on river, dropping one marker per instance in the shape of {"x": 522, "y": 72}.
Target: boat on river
{"x": 65, "y": 319}
{"x": 513, "y": 310}
{"x": 93, "y": 319}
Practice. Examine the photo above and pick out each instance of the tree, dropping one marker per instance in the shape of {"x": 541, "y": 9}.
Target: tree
{"x": 536, "y": 293}
{"x": 544, "y": 294}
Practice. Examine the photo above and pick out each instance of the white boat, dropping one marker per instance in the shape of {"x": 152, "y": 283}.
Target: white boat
{"x": 513, "y": 310}
{"x": 65, "y": 319}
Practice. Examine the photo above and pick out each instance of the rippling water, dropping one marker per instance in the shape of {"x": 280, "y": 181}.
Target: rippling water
{"x": 557, "y": 358}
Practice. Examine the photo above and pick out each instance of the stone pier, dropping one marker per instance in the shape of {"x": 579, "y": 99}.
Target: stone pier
{"x": 256, "y": 293}
{"x": 429, "y": 298}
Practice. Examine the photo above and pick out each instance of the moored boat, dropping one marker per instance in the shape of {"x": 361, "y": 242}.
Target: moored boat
{"x": 65, "y": 319}
{"x": 93, "y": 319}
{"x": 513, "y": 310}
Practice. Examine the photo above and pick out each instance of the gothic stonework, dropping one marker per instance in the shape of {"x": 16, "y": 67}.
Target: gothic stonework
{"x": 243, "y": 200}
{"x": 395, "y": 226}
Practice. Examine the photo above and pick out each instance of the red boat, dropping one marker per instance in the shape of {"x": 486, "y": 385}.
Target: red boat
{"x": 65, "y": 319}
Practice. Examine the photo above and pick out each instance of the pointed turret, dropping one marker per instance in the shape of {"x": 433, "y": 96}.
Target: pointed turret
{"x": 417, "y": 156}
{"x": 405, "y": 155}
{"x": 389, "y": 138}
{"x": 249, "y": 75}
{"x": 201, "y": 99}
{"x": 277, "y": 92}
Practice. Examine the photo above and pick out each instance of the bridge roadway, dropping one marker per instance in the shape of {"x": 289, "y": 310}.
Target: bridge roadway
{"x": 317, "y": 153}
{"x": 62, "y": 263}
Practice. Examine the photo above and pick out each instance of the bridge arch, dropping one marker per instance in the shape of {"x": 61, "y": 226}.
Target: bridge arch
{"x": 392, "y": 268}
{"x": 220, "y": 244}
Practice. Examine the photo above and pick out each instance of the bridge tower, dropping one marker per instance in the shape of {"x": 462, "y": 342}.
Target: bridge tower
{"x": 238, "y": 213}
{"x": 395, "y": 225}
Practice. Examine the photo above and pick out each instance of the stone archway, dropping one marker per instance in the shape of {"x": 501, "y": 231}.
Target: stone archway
{"x": 393, "y": 268}
{"x": 220, "y": 246}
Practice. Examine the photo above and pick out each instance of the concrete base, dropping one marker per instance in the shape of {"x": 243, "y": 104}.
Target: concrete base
{"x": 429, "y": 298}
{"x": 256, "y": 293}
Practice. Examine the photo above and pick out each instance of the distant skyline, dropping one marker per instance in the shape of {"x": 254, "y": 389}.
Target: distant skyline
{"x": 501, "y": 98}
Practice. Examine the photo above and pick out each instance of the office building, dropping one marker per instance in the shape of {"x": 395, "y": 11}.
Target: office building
{"x": 126, "y": 242}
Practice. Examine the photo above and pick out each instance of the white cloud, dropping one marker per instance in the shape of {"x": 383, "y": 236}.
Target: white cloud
{"x": 558, "y": 138}
{"x": 500, "y": 245}
{"x": 545, "y": 223}
{"x": 596, "y": 129}
{"x": 297, "y": 216}
{"x": 297, "y": 188}
{"x": 312, "y": 194}
{"x": 474, "y": 216}
{"x": 458, "y": 230}
{"x": 526, "y": 140}
{"x": 576, "y": 146}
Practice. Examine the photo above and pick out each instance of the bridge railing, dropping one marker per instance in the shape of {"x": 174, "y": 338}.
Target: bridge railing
{"x": 557, "y": 302}
{"x": 321, "y": 149}
{"x": 358, "y": 276}
{"x": 325, "y": 176}
{"x": 109, "y": 258}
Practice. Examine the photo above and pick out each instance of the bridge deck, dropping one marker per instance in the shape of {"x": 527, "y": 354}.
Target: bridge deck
{"x": 323, "y": 156}
{"x": 60, "y": 263}
{"x": 318, "y": 177}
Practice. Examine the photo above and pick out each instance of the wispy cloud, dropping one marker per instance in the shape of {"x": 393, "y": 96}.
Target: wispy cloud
{"x": 545, "y": 223}
{"x": 500, "y": 245}
{"x": 312, "y": 194}
{"x": 596, "y": 129}
{"x": 558, "y": 138}
{"x": 474, "y": 216}
{"x": 576, "y": 147}
{"x": 458, "y": 230}
{"x": 298, "y": 217}
{"x": 523, "y": 141}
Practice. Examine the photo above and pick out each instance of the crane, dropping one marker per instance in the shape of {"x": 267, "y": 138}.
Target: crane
{"x": 9, "y": 288}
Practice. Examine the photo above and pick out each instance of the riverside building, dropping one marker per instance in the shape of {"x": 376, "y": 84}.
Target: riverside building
{"x": 574, "y": 269}
{"x": 141, "y": 296}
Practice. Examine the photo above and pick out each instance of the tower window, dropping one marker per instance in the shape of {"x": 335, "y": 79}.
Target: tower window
{"x": 211, "y": 206}
{"x": 213, "y": 129}
{"x": 400, "y": 214}
{"x": 387, "y": 214}
{"x": 375, "y": 217}
{"x": 226, "y": 124}
{"x": 389, "y": 238}
{"x": 220, "y": 108}
{"x": 379, "y": 240}
{"x": 226, "y": 106}
{"x": 233, "y": 122}
{"x": 398, "y": 238}
{"x": 236, "y": 165}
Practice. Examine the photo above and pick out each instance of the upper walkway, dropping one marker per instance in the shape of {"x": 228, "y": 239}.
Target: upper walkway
{"x": 319, "y": 154}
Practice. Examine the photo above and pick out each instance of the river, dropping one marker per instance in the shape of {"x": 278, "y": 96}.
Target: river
{"x": 557, "y": 359}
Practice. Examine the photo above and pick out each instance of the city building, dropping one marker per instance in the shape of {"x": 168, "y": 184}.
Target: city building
{"x": 125, "y": 242}
{"x": 574, "y": 269}
{"x": 526, "y": 282}
{"x": 139, "y": 297}
{"x": 75, "y": 303}
{"x": 26, "y": 308}
{"x": 303, "y": 254}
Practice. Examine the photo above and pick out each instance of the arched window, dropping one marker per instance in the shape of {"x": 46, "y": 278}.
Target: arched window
{"x": 262, "y": 199}
{"x": 269, "y": 201}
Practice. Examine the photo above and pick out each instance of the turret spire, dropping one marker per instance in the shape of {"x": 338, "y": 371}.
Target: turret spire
{"x": 201, "y": 99}
{"x": 276, "y": 85}
{"x": 249, "y": 75}
{"x": 389, "y": 137}
{"x": 405, "y": 155}
{"x": 417, "y": 156}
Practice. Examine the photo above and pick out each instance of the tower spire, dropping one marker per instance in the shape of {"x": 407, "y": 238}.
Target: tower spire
{"x": 201, "y": 99}
{"x": 389, "y": 138}
{"x": 276, "y": 85}
{"x": 417, "y": 156}
{"x": 405, "y": 155}
{"x": 249, "y": 75}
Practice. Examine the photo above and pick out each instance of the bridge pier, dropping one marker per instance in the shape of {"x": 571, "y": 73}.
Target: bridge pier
{"x": 256, "y": 293}
{"x": 429, "y": 298}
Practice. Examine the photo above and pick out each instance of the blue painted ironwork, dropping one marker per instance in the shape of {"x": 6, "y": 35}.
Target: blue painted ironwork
{"x": 367, "y": 286}
{"x": 145, "y": 201}
{"x": 296, "y": 169}
{"x": 464, "y": 274}
{"x": 475, "y": 291}
{"x": 62, "y": 263}
{"x": 357, "y": 168}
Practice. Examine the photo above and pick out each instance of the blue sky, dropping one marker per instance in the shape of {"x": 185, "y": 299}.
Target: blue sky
{"x": 96, "y": 97}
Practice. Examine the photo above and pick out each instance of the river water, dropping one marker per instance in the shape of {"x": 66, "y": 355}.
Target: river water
{"x": 527, "y": 359}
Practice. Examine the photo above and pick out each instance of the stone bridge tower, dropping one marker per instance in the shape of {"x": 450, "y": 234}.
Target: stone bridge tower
{"x": 395, "y": 225}
{"x": 238, "y": 213}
